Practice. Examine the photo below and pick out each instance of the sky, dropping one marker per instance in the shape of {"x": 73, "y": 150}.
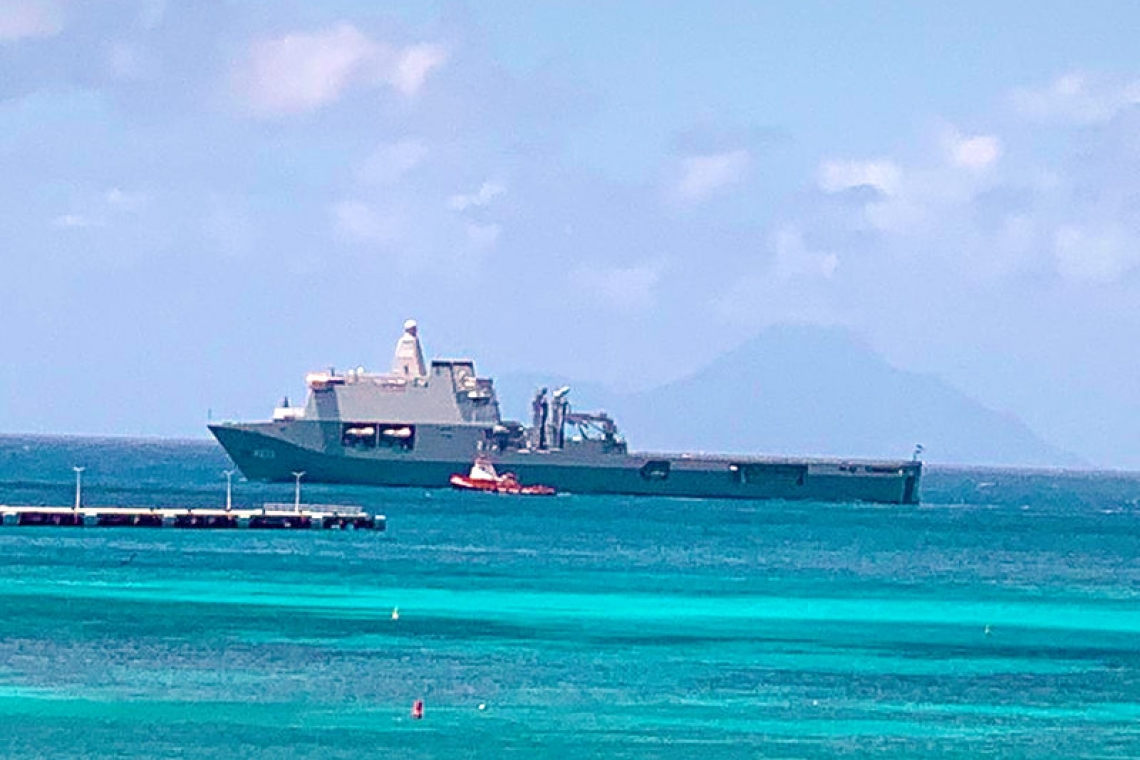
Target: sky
{"x": 201, "y": 202}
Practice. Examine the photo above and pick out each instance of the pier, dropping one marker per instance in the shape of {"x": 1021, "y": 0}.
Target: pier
{"x": 268, "y": 517}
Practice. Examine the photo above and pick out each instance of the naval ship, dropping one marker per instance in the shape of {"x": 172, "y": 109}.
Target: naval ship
{"x": 419, "y": 424}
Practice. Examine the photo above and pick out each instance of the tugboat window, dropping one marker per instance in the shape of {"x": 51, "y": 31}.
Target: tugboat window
{"x": 657, "y": 469}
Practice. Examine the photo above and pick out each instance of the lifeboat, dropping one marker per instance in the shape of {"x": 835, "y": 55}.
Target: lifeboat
{"x": 484, "y": 478}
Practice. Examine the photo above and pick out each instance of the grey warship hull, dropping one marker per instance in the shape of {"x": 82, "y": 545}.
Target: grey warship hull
{"x": 264, "y": 451}
{"x": 417, "y": 425}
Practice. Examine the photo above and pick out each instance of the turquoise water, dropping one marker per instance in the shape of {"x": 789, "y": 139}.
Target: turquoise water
{"x": 999, "y": 619}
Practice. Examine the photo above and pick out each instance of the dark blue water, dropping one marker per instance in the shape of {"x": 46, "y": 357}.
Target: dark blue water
{"x": 999, "y": 619}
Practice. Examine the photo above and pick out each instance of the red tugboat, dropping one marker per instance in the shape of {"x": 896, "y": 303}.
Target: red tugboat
{"x": 484, "y": 478}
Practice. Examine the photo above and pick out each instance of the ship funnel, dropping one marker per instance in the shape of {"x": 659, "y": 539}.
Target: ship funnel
{"x": 409, "y": 358}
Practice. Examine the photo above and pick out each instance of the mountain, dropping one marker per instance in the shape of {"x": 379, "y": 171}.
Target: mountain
{"x": 811, "y": 391}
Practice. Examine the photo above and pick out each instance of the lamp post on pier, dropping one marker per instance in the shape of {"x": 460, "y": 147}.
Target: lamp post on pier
{"x": 297, "y": 491}
{"x": 229, "y": 489}
{"x": 78, "y": 486}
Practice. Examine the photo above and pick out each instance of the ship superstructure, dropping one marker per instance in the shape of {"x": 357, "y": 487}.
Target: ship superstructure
{"x": 419, "y": 423}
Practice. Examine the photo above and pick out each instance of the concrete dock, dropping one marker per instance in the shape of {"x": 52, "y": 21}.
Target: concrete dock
{"x": 268, "y": 517}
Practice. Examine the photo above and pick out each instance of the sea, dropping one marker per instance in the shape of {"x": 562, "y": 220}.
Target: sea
{"x": 1000, "y": 618}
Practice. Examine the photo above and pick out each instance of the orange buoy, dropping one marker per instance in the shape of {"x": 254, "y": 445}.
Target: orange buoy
{"x": 418, "y": 709}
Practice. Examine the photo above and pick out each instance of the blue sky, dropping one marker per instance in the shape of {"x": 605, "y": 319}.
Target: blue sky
{"x": 197, "y": 207}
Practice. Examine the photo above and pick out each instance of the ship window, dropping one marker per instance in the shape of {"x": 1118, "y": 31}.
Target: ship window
{"x": 655, "y": 469}
{"x": 399, "y": 437}
{"x": 768, "y": 472}
{"x": 356, "y": 435}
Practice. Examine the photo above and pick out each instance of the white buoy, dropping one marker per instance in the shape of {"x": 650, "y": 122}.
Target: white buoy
{"x": 395, "y": 613}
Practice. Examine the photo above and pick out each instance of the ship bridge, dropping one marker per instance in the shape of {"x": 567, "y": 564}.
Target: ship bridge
{"x": 448, "y": 391}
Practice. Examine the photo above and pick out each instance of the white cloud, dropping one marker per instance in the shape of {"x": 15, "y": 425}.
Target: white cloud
{"x": 1065, "y": 218}
{"x": 413, "y": 65}
{"x": 623, "y": 289}
{"x": 974, "y": 152}
{"x": 389, "y": 162}
{"x": 301, "y": 72}
{"x": 360, "y": 222}
{"x": 794, "y": 259}
{"x": 916, "y": 200}
{"x": 703, "y": 176}
{"x": 487, "y": 192}
{"x": 901, "y": 205}
{"x": 1076, "y": 98}
{"x": 24, "y": 19}
{"x": 882, "y": 174}
{"x": 1096, "y": 256}
{"x": 792, "y": 286}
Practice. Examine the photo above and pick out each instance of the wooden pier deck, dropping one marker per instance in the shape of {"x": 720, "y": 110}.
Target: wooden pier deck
{"x": 269, "y": 517}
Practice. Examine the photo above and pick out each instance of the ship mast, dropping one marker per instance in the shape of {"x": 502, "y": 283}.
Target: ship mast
{"x": 409, "y": 359}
